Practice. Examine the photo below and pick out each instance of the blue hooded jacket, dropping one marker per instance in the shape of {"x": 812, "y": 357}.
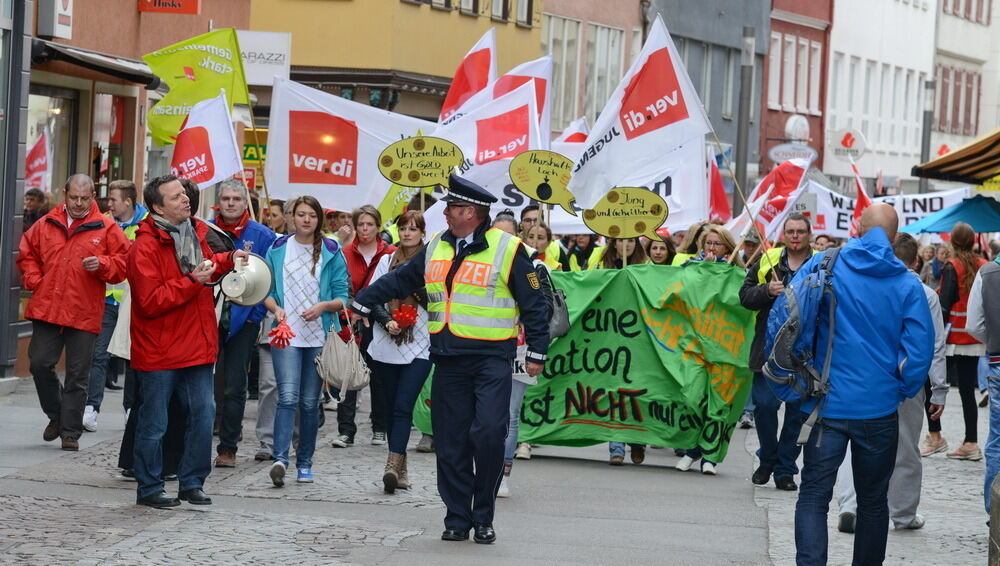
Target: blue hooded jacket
{"x": 260, "y": 237}
{"x": 884, "y": 336}
{"x": 334, "y": 280}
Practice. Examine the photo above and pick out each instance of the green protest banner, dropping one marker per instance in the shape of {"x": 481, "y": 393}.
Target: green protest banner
{"x": 655, "y": 355}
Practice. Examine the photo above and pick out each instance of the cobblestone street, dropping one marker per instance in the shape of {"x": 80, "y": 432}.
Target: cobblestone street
{"x": 951, "y": 502}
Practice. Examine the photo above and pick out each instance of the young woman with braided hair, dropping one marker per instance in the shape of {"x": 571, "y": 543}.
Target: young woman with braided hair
{"x": 963, "y": 350}
{"x": 311, "y": 284}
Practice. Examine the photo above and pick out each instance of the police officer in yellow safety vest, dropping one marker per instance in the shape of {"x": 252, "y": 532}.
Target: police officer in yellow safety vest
{"x": 479, "y": 283}
{"x": 127, "y": 213}
{"x": 765, "y": 280}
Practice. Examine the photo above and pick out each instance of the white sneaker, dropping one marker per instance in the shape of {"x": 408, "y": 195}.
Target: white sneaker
{"x": 504, "y": 490}
{"x": 89, "y": 419}
{"x": 917, "y": 523}
{"x": 378, "y": 438}
{"x": 523, "y": 451}
{"x": 684, "y": 464}
{"x": 707, "y": 468}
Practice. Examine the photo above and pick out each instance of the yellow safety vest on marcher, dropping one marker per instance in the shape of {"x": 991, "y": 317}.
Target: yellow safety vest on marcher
{"x": 768, "y": 261}
{"x": 117, "y": 290}
{"x": 479, "y": 305}
{"x": 680, "y": 258}
{"x": 595, "y": 257}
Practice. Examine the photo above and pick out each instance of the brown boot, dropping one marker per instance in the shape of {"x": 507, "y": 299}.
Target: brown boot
{"x": 404, "y": 481}
{"x": 70, "y": 444}
{"x": 51, "y": 431}
{"x": 226, "y": 459}
{"x": 390, "y": 479}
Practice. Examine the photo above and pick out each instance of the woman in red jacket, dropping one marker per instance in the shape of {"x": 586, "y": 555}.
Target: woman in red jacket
{"x": 363, "y": 255}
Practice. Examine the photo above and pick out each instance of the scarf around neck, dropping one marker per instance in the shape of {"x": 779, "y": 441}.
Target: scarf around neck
{"x": 235, "y": 228}
{"x": 186, "y": 245}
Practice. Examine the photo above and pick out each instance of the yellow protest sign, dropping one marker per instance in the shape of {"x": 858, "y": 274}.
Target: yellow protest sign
{"x": 420, "y": 161}
{"x": 627, "y": 212}
{"x": 543, "y": 176}
{"x": 992, "y": 184}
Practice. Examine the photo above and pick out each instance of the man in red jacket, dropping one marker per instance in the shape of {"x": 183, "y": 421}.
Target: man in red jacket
{"x": 175, "y": 339}
{"x": 66, "y": 258}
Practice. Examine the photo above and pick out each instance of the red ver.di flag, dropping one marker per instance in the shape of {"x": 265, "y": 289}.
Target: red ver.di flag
{"x": 653, "y": 111}
{"x": 476, "y": 71}
{"x": 206, "y": 150}
{"x": 38, "y": 164}
{"x": 772, "y": 199}
{"x": 540, "y": 71}
{"x": 323, "y": 145}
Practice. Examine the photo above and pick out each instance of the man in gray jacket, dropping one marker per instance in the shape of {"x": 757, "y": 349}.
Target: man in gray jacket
{"x": 983, "y": 323}
{"x": 905, "y": 484}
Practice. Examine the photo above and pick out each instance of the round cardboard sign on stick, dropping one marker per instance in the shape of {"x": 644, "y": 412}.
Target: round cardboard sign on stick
{"x": 627, "y": 212}
{"x": 543, "y": 175}
{"x": 420, "y": 161}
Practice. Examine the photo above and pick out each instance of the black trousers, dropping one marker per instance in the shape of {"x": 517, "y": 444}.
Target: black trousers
{"x": 966, "y": 369}
{"x": 62, "y": 403}
{"x": 470, "y": 404}
{"x": 173, "y": 439}
{"x": 233, "y": 367}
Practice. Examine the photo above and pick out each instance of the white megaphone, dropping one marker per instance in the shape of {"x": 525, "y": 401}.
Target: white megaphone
{"x": 249, "y": 283}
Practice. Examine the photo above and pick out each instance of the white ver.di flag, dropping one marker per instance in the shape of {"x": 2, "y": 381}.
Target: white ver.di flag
{"x": 476, "y": 71}
{"x": 572, "y": 140}
{"x": 206, "y": 151}
{"x": 539, "y": 70}
{"x": 653, "y": 111}
{"x": 326, "y": 146}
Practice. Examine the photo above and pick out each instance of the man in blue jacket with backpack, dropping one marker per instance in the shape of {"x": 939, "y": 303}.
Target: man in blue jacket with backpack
{"x": 882, "y": 349}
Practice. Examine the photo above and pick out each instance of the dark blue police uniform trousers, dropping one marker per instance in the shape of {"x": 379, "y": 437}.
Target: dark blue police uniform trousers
{"x": 470, "y": 398}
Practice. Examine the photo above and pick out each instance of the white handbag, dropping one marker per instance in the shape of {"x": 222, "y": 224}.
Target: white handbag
{"x": 341, "y": 366}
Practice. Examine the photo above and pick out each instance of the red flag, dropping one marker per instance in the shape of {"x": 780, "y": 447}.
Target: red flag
{"x": 37, "y": 164}
{"x": 771, "y": 200}
{"x": 718, "y": 203}
{"x": 862, "y": 201}
{"x": 476, "y": 71}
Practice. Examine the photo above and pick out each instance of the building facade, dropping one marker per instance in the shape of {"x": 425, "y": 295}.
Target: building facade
{"x": 395, "y": 54}
{"x": 967, "y": 88}
{"x": 709, "y": 36}
{"x": 591, "y": 47}
{"x": 877, "y": 69}
{"x": 795, "y": 70}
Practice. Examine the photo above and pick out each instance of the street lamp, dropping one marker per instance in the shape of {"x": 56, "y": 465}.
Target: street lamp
{"x": 925, "y": 141}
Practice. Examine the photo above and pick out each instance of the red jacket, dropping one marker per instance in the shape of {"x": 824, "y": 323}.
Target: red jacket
{"x": 173, "y": 315}
{"x": 361, "y": 273}
{"x": 51, "y": 265}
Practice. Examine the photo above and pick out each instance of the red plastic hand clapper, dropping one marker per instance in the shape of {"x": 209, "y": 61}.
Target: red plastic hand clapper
{"x": 405, "y": 315}
{"x": 281, "y": 336}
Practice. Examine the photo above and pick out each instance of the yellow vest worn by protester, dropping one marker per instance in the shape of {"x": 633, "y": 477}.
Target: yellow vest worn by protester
{"x": 680, "y": 258}
{"x": 595, "y": 257}
{"x": 479, "y": 304}
{"x": 768, "y": 261}
{"x": 117, "y": 290}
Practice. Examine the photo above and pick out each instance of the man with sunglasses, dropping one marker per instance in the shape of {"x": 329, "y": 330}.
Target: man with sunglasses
{"x": 480, "y": 284}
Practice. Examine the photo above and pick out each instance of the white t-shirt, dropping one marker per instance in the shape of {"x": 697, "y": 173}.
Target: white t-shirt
{"x": 301, "y": 292}
{"x": 383, "y": 348}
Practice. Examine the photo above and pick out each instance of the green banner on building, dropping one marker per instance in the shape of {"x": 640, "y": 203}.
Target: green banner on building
{"x": 655, "y": 355}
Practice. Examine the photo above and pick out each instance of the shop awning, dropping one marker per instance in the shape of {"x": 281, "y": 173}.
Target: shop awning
{"x": 133, "y": 71}
{"x": 974, "y": 162}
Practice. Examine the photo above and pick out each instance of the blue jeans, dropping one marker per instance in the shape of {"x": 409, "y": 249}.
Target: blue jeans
{"x": 777, "y": 454}
{"x": 993, "y": 441}
{"x": 298, "y": 388}
{"x": 101, "y": 358}
{"x": 401, "y": 384}
{"x": 873, "y": 456}
{"x": 193, "y": 387}
{"x": 517, "y": 389}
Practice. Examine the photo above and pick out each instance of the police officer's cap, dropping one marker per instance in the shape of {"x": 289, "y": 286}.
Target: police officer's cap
{"x": 463, "y": 190}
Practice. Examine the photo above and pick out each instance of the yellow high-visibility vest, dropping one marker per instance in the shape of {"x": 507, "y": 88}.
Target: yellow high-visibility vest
{"x": 117, "y": 290}
{"x": 680, "y": 258}
{"x": 479, "y": 304}
{"x": 595, "y": 257}
{"x": 768, "y": 261}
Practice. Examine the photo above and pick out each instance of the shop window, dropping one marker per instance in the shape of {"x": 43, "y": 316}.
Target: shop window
{"x": 109, "y": 159}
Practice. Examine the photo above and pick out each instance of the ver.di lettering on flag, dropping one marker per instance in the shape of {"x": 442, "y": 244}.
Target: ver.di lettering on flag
{"x": 653, "y": 111}
{"x": 206, "y": 151}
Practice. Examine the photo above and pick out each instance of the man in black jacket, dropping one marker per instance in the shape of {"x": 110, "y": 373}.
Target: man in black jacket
{"x": 766, "y": 279}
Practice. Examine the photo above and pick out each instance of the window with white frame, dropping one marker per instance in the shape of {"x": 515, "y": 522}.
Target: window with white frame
{"x": 802, "y": 78}
{"x": 815, "y": 68}
{"x": 788, "y": 74}
{"x": 729, "y": 83}
{"x": 501, "y": 9}
{"x": 836, "y": 80}
{"x": 524, "y": 12}
{"x": 470, "y": 6}
{"x": 441, "y": 3}
{"x": 605, "y": 50}
{"x": 868, "y": 94}
{"x": 774, "y": 72}
{"x": 561, "y": 40}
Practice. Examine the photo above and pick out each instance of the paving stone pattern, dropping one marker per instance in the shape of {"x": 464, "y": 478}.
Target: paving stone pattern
{"x": 951, "y": 501}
